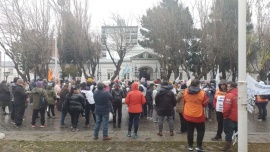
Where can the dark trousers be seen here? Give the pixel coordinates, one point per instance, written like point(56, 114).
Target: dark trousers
point(117, 109)
point(150, 109)
point(50, 109)
point(133, 117)
point(88, 108)
point(262, 110)
point(58, 105)
point(35, 114)
point(12, 109)
point(200, 127)
point(219, 116)
point(18, 114)
point(74, 118)
point(183, 123)
point(229, 127)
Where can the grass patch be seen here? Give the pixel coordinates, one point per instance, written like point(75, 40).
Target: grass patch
point(113, 146)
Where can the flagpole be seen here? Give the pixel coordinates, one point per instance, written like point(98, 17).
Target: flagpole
point(242, 89)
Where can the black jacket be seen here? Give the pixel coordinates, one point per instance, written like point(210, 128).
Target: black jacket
point(149, 96)
point(165, 102)
point(5, 94)
point(19, 95)
point(76, 102)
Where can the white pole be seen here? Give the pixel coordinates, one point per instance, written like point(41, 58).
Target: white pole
point(242, 88)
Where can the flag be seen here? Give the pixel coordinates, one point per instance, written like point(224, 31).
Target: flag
point(83, 78)
point(177, 80)
point(69, 78)
point(217, 78)
point(50, 75)
point(125, 71)
point(188, 82)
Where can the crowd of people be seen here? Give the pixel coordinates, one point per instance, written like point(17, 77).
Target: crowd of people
point(157, 101)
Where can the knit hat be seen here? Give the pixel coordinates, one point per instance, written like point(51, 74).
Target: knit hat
point(39, 84)
point(89, 80)
point(106, 83)
point(156, 81)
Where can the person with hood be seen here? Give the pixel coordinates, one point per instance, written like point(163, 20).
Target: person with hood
point(230, 114)
point(63, 100)
point(51, 101)
point(143, 89)
point(102, 109)
point(20, 97)
point(12, 109)
point(195, 100)
point(210, 92)
point(76, 104)
point(165, 102)
point(218, 105)
point(134, 100)
point(4, 96)
point(179, 108)
point(89, 97)
point(155, 91)
point(118, 95)
point(35, 96)
point(149, 101)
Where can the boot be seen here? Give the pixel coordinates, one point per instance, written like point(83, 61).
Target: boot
point(114, 125)
point(159, 133)
point(227, 146)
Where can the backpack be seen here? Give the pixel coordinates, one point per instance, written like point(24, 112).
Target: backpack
point(264, 96)
point(117, 96)
point(42, 101)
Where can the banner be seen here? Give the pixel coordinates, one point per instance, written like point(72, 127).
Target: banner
point(219, 104)
point(217, 78)
point(255, 88)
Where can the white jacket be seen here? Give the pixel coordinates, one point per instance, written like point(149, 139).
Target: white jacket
point(89, 96)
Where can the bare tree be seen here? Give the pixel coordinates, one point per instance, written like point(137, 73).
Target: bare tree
point(117, 41)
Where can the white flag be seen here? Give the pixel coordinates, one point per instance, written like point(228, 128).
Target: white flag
point(217, 78)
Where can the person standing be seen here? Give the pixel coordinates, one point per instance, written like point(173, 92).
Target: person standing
point(51, 101)
point(230, 114)
point(149, 101)
point(35, 95)
point(89, 96)
point(118, 95)
point(20, 97)
point(165, 102)
point(218, 105)
point(76, 104)
point(143, 89)
point(195, 100)
point(4, 97)
point(261, 103)
point(135, 101)
point(102, 109)
point(179, 108)
point(63, 100)
point(57, 89)
point(210, 92)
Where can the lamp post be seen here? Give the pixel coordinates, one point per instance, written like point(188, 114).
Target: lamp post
point(6, 74)
point(161, 72)
point(268, 75)
point(136, 71)
point(99, 74)
point(156, 71)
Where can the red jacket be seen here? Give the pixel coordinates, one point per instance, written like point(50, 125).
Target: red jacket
point(135, 99)
point(230, 107)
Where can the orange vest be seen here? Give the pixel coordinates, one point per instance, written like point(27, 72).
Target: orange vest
point(193, 104)
point(219, 93)
point(259, 99)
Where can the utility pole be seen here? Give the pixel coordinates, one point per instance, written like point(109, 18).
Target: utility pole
point(242, 84)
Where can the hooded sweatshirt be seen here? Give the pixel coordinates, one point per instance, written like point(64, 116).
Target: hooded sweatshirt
point(51, 95)
point(35, 95)
point(195, 100)
point(135, 99)
point(165, 101)
point(230, 105)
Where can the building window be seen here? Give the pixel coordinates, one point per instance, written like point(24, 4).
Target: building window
point(126, 76)
point(104, 54)
point(109, 75)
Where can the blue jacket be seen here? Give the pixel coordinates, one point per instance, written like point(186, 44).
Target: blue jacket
point(102, 102)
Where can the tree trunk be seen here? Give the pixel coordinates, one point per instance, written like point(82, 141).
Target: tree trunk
point(223, 73)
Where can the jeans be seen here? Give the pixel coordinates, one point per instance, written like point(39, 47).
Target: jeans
point(183, 123)
point(262, 110)
point(229, 127)
point(50, 109)
point(104, 119)
point(200, 127)
point(35, 114)
point(150, 110)
point(117, 107)
point(63, 114)
point(219, 116)
point(74, 118)
point(161, 120)
point(133, 117)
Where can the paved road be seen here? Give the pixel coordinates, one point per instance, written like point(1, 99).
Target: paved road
point(257, 130)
